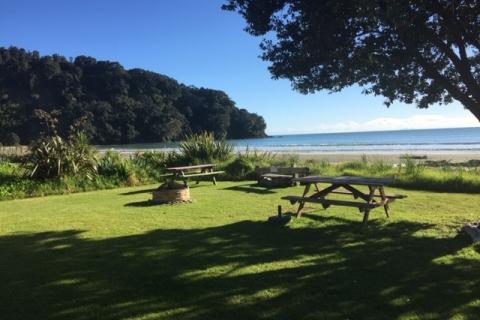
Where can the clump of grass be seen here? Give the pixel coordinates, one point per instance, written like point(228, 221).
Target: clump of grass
point(411, 168)
point(260, 158)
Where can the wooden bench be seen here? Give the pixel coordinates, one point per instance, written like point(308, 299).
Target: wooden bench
point(280, 176)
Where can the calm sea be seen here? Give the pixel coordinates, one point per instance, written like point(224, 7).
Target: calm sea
point(458, 140)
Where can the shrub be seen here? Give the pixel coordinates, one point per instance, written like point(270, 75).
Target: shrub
point(203, 148)
point(241, 168)
point(11, 139)
point(54, 157)
point(150, 160)
point(112, 165)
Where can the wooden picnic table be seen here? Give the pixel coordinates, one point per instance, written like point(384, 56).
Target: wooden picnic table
point(344, 185)
point(185, 172)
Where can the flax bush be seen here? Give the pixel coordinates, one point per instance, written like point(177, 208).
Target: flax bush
point(203, 148)
point(54, 157)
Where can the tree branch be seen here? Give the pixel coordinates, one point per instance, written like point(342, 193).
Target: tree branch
point(453, 25)
point(453, 90)
point(461, 64)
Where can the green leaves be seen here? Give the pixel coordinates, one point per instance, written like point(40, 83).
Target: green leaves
point(54, 157)
point(421, 52)
point(203, 148)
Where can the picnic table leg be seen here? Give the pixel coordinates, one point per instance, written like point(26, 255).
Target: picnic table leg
point(365, 217)
point(302, 203)
point(384, 200)
point(370, 200)
point(198, 179)
point(213, 177)
point(185, 181)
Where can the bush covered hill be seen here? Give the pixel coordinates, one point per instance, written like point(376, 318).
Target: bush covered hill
point(116, 105)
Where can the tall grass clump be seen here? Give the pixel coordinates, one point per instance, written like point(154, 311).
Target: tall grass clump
point(321, 167)
point(411, 168)
point(356, 165)
point(204, 148)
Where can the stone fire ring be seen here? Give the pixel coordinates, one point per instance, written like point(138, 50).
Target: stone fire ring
point(168, 194)
point(473, 230)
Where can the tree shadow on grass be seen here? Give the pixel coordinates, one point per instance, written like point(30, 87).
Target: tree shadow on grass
point(130, 193)
point(251, 188)
point(144, 203)
point(244, 270)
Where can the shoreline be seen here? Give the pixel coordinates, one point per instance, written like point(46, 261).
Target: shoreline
point(395, 156)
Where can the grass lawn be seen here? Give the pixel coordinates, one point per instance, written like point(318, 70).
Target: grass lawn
point(111, 255)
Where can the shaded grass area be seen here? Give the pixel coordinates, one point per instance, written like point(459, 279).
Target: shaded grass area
point(94, 256)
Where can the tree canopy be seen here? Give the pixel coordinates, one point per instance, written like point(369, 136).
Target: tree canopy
point(421, 52)
point(114, 104)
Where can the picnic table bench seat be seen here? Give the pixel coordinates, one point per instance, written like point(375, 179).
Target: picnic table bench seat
point(392, 197)
point(280, 176)
point(328, 202)
point(201, 174)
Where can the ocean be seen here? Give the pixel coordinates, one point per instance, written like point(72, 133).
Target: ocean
point(456, 140)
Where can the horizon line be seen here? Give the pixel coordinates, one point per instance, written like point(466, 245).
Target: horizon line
point(367, 131)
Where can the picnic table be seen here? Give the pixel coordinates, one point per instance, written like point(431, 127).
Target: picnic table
point(196, 171)
point(344, 185)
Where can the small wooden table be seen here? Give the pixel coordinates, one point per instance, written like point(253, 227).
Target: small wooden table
point(186, 172)
point(369, 200)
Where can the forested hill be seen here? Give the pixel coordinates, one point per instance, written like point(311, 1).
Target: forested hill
point(117, 105)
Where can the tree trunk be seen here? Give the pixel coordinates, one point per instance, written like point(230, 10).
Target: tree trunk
point(474, 109)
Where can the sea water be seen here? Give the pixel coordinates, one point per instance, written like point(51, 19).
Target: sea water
point(456, 140)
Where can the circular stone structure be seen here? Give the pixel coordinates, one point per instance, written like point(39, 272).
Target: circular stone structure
point(171, 194)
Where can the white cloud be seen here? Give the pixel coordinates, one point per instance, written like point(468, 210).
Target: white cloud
point(381, 124)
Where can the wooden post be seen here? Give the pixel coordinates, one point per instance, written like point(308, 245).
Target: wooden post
point(384, 200)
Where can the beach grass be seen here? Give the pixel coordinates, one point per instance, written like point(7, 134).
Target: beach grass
point(113, 255)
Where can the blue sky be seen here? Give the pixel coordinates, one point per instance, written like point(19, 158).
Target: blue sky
point(197, 43)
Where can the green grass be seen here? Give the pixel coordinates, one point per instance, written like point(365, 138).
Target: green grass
point(111, 255)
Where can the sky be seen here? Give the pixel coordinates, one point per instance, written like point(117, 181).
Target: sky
point(198, 44)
